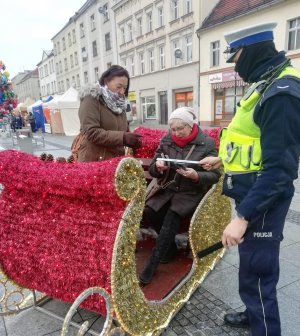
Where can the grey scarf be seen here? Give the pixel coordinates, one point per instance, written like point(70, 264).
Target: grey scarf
point(113, 101)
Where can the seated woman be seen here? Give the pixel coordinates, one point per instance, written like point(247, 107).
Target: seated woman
point(184, 187)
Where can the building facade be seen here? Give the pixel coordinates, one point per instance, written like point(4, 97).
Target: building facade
point(26, 85)
point(156, 42)
point(220, 87)
point(47, 75)
point(84, 47)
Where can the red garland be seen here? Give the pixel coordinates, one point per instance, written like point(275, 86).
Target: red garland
point(58, 225)
point(151, 139)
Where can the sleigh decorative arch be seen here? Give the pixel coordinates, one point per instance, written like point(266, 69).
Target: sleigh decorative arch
point(69, 231)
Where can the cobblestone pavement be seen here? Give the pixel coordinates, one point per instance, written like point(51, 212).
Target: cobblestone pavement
point(203, 316)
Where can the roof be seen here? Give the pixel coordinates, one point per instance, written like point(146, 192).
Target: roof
point(227, 10)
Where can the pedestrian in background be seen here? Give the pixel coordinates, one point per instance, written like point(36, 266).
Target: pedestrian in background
point(104, 128)
point(260, 152)
point(32, 122)
point(183, 188)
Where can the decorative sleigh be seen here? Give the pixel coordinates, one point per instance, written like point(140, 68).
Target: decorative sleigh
point(70, 231)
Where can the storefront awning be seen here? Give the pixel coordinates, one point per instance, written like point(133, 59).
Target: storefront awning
point(228, 84)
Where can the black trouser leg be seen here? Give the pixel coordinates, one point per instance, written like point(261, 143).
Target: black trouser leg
point(164, 241)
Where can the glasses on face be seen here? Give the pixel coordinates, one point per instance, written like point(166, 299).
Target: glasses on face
point(178, 129)
point(230, 52)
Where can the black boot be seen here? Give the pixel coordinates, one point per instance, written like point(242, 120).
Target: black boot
point(163, 242)
point(148, 271)
point(170, 254)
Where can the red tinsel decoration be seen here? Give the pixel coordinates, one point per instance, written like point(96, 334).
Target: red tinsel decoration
point(151, 139)
point(58, 225)
point(59, 221)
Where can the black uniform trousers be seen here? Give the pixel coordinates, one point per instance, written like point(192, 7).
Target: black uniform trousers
point(259, 270)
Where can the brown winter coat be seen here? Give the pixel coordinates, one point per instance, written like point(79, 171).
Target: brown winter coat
point(102, 128)
point(184, 194)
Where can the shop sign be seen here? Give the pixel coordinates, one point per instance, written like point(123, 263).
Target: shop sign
point(215, 78)
point(132, 96)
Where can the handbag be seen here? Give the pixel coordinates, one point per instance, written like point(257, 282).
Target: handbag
point(76, 145)
point(158, 184)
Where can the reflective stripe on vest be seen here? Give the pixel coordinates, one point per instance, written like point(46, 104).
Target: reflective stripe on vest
point(240, 148)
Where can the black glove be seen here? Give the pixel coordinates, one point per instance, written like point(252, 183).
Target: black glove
point(132, 140)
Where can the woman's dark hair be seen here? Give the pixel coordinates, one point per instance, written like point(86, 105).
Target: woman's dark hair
point(115, 71)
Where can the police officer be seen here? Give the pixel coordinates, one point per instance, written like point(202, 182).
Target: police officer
point(260, 152)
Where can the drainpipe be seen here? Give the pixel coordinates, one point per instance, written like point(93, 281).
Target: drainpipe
point(198, 75)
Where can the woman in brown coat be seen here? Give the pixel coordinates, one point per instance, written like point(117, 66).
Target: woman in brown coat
point(184, 187)
point(102, 115)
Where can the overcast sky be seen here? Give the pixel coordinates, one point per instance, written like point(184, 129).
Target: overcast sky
point(27, 27)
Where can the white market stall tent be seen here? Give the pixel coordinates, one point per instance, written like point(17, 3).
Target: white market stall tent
point(69, 105)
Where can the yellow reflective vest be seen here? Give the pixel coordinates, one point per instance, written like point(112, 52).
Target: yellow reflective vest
point(240, 148)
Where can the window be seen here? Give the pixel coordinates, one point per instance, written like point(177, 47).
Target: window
point(96, 73)
point(107, 42)
point(151, 60)
point(72, 61)
point(66, 64)
point(149, 22)
point(41, 72)
point(189, 48)
point(92, 22)
point(184, 99)
point(73, 82)
point(108, 65)
point(84, 54)
point(122, 30)
point(174, 9)
point(231, 98)
point(123, 62)
point(81, 28)
point(69, 39)
point(62, 86)
point(132, 65)
point(139, 24)
point(58, 47)
point(67, 83)
point(85, 77)
point(160, 11)
point(294, 34)
point(58, 87)
point(162, 57)
point(60, 67)
point(142, 63)
point(64, 43)
point(74, 36)
point(76, 58)
point(148, 107)
point(188, 6)
point(95, 51)
point(129, 28)
point(56, 68)
point(215, 53)
point(77, 81)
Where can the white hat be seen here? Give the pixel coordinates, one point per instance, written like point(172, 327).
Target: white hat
point(184, 113)
point(247, 36)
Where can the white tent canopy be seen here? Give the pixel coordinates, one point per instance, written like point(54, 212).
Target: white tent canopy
point(69, 105)
point(53, 103)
